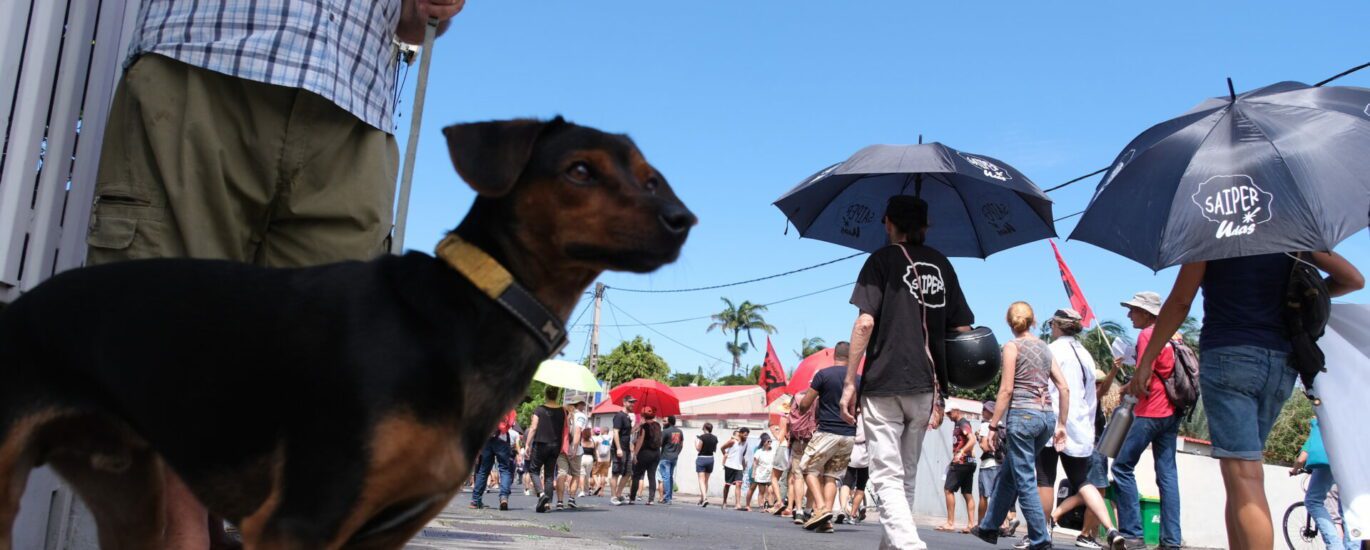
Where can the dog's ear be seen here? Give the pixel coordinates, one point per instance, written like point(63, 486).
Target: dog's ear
point(491, 155)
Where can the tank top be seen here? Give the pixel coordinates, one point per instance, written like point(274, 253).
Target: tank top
point(1031, 375)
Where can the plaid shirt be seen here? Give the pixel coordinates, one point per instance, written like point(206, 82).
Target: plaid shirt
point(342, 50)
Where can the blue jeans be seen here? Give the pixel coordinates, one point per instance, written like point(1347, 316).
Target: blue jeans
point(1243, 389)
point(1028, 430)
point(1159, 434)
point(666, 471)
point(1320, 481)
point(496, 450)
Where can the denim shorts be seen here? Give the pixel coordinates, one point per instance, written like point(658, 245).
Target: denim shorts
point(1098, 471)
point(987, 478)
point(1238, 384)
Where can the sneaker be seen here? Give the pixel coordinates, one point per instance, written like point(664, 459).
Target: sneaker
point(571, 503)
point(1115, 540)
point(476, 506)
point(1086, 542)
point(527, 493)
point(580, 494)
point(647, 503)
point(616, 501)
point(1011, 530)
point(504, 506)
point(561, 505)
point(544, 502)
point(825, 527)
point(814, 522)
point(987, 536)
point(1134, 544)
point(1022, 543)
point(840, 519)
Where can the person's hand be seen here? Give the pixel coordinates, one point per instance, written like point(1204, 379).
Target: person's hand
point(620, 453)
point(1295, 471)
point(989, 441)
point(1117, 362)
point(938, 411)
point(1060, 438)
point(441, 10)
point(1138, 386)
point(847, 405)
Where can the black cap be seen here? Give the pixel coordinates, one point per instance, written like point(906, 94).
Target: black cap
point(907, 212)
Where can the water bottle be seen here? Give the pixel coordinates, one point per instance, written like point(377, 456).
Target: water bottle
point(1118, 425)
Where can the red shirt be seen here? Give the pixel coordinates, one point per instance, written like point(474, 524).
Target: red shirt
point(1155, 404)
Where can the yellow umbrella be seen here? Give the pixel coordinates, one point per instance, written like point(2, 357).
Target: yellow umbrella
point(565, 374)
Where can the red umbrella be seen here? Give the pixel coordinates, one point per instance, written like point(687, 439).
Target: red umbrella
point(803, 374)
point(648, 392)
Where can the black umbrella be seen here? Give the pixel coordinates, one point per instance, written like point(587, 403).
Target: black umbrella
point(978, 205)
point(1283, 168)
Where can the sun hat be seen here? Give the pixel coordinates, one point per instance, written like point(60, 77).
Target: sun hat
point(1147, 301)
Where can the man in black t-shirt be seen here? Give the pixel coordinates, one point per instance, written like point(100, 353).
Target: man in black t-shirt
point(909, 299)
point(829, 451)
point(622, 455)
point(672, 441)
point(548, 427)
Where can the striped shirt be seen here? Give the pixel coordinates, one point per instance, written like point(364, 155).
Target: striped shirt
point(342, 50)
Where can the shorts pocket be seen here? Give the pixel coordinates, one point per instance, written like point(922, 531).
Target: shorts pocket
point(1233, 369)
point(112, 233)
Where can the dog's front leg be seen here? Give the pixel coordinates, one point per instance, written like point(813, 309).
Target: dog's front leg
point(317, 487)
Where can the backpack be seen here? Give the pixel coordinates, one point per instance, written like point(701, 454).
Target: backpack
point(1307, 307)
point(802, 425)
point(1182, 387)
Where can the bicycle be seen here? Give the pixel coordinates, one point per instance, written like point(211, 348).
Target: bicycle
point(1300, 532)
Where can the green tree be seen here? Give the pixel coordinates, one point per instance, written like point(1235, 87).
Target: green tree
point(753, 374)
point(632, 359)
point(1290, 430)
point(738, 319)
point(810, 346)
point(530, 401)
point(686, 378)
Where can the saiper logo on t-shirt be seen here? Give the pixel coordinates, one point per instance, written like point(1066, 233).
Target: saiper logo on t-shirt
point(1235, 203)
point(928, 281)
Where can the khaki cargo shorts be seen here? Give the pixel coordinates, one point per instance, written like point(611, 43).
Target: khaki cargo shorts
point(200, 164)
point(828, 454)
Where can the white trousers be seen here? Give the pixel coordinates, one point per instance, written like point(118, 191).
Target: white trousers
point(895, 426)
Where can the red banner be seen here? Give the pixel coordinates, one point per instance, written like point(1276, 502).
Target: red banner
point(772, 374)
point(1077, 297)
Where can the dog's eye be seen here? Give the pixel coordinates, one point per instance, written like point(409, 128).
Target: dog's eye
point(579, 172)
point(652, 183)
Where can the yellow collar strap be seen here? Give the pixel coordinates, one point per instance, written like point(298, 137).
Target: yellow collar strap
point(493, 280)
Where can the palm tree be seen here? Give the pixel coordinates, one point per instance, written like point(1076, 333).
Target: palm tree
point(810, 346)
point(737, 319)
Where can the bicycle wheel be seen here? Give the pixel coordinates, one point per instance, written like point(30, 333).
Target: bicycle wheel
point(1300, 533)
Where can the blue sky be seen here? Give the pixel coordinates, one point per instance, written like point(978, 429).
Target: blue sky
point(735, 102)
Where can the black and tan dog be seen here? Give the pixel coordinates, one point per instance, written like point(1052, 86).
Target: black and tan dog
point(347, 400)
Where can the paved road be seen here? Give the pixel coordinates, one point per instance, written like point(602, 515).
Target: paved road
point(599, 525)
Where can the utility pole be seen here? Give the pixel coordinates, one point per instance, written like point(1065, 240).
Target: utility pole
point(594, 331)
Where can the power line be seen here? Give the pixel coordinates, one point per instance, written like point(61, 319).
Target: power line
point(703, 317)
point(663, 335)
point(1341, 74)
point(1094, 173)
point(1068, 217)
point(748, 281)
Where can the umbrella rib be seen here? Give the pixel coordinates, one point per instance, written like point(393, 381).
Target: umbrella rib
point(978, 241)
point(1171, 207)
point(1288, 170)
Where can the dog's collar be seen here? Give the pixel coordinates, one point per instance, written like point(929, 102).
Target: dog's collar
point(495, 281)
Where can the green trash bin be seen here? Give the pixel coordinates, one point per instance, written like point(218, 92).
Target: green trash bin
point(1151, 520)
point(1151, 517)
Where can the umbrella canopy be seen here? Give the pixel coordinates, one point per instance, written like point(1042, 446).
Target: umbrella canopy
point(648, 392)
point(978, 205)
point(565, 374)
point(1283, 168)
point(803, 374)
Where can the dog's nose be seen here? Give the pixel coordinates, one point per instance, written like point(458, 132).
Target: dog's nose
point(677, 219)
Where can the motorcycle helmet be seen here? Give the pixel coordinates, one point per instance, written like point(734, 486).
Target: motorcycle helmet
point(972, 358)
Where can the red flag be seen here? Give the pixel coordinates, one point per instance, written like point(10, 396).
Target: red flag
point(1077, 297)
point(772, 374)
